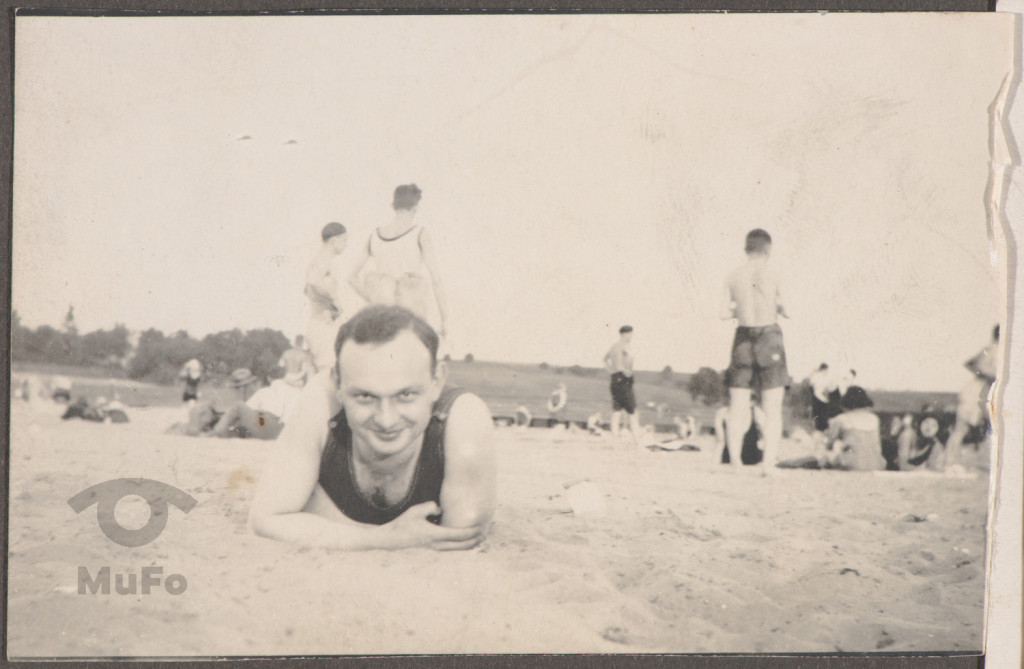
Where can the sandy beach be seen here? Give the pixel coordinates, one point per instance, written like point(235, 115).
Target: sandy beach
point(686, 557)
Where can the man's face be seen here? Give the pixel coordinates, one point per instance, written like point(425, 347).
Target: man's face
point(388, 391)
point(338, 243)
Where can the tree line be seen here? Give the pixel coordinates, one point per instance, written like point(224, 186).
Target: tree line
point(155, 357)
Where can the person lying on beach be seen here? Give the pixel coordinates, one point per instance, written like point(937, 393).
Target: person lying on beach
point(101, 411)
point(380, 453)
point(258, 414)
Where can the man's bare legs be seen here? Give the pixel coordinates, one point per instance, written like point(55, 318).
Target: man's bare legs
point(634, 428)
point(632, 423)
point(739, 423)
point(954, 446)
point(771, 403)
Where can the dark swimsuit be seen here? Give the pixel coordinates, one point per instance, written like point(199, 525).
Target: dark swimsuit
point(338, 479)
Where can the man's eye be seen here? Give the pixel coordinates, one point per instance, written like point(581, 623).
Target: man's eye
point(408, 395)
point(363, 398)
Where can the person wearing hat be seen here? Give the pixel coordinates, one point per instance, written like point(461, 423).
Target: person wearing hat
point(322, 291)
point(261, 413)
point(854, 436)
point(381, 453)
point(618, 361)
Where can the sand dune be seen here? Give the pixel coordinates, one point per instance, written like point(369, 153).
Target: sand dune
point(685, 558)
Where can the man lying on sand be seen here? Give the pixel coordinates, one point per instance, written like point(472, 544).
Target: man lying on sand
point(387, 457)
point(258, 414)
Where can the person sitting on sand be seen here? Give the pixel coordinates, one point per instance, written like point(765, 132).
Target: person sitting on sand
point(854, 437)
point(918, 445)
point(297, 364)
point(380, 453)
point(972, 406)
point(753, 296)
point(822, 386)
point(260, 414)
point(405, 269)
point(322, 290)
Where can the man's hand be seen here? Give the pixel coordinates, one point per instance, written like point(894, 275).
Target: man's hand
point(412, 529)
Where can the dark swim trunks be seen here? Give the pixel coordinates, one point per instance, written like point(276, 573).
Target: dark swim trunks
point(191, 390)
point(758, 358)
point(622, 393)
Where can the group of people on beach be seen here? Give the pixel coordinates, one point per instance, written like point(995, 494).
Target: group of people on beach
point(847, 431)
point(378, 452)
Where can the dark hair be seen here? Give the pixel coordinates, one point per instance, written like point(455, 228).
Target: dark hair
point(995, 333)
point(855, 398)
point(625, 328)
point(406, 197)
point(332, 229)
point(758, 241)
point(381, 323)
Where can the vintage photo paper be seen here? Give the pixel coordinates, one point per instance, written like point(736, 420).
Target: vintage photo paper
point(178, 182)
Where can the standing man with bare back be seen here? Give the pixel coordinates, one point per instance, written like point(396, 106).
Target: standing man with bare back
point(619, 363)
point(404, 269)
point(754, 298)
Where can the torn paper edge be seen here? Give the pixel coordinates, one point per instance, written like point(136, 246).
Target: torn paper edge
point(1001, 639)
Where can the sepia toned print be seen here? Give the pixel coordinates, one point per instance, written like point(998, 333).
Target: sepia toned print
point(784, 237)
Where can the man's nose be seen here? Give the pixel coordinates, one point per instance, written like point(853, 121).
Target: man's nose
point(387, 414)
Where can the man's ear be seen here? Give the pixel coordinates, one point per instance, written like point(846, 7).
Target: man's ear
point(440, 375)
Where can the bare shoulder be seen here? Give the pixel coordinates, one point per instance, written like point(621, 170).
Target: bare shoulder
point(307, 426)
point(469, 425)
point(469, 408)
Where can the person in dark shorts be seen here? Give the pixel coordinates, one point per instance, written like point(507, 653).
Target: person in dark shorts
point(192, 374)
point(753, 296)
point(379, 452)
point(619, 363)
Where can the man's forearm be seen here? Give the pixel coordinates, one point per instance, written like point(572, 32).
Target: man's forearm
point(309, 529)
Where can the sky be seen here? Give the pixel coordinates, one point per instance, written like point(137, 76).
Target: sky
point(579, 173)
